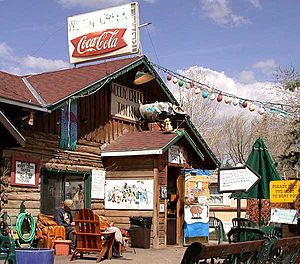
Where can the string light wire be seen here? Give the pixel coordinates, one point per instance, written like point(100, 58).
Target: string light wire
point(273, 107)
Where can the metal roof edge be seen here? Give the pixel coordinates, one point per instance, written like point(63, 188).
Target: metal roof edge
point(34, 92)
point(190, 140)
point(24, 105)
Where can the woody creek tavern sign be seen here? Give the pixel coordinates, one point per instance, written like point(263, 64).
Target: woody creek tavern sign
point(125, 102)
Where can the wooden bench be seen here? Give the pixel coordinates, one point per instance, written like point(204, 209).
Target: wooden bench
point(268, 250)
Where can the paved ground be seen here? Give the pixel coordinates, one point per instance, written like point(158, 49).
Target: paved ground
point(172, 254)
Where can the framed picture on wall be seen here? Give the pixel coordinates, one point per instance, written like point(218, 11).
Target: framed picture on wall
point(25, 172)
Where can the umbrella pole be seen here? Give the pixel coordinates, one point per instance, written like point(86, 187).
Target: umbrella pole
point(259, 212)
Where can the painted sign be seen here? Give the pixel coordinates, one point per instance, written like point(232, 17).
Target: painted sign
point(104, 33)
point(237, 179)
point(284, 216)
point(196, 208)
point(98, 183)
point(129, 194)
point(284, 191)
point(125, 102)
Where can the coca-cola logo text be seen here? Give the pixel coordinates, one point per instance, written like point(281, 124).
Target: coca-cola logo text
point(98, 43)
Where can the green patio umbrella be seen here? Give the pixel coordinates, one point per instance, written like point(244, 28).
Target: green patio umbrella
point(261, 162)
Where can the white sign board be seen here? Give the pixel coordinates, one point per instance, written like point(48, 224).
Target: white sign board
point(129, 194)
point(125, 102)
point(25, 172)
point(104, 33)
point(237, 179)
point(284, 216)
point(98, 184)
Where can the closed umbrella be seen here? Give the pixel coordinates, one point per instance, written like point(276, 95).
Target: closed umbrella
point(261, 162)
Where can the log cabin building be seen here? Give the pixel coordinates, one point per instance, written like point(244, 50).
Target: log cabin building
point(61, 132)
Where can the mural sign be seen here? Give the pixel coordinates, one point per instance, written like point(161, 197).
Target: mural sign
point(129, 194)
point(104, 33)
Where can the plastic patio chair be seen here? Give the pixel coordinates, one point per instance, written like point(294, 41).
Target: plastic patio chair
point(217, 225)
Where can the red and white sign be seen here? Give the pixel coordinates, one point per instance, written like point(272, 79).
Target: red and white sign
point(104, 33)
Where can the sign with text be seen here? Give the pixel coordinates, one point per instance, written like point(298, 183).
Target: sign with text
point(25, 172)
point(98, 184)
point(237, 179)
point(125, 102)
point(104, 33)
point(284, 216)
point(284, 191)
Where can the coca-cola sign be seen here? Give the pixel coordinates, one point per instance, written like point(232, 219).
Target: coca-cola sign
point(98, 43)
point(104, 33)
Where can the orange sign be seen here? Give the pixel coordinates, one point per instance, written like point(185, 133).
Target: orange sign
point(284, 191)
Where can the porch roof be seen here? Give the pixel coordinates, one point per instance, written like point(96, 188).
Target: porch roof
point(147, 143)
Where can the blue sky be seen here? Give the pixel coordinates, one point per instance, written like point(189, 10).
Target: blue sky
point(243, 39)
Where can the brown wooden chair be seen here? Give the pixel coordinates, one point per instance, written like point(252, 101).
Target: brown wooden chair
point(89, 236)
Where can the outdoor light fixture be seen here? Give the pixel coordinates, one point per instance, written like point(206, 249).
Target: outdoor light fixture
point(142, 77)
point(30, 119)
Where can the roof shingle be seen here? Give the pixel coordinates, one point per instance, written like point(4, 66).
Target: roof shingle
point(145, 140)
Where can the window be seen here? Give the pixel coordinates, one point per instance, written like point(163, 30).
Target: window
point(57, 186)
point(217, 198)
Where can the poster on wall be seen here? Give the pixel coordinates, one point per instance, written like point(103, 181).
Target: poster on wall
point(129, 194)
point(98, 183)
point(196, 207)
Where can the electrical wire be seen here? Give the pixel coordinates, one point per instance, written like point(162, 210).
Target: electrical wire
point(281, 108)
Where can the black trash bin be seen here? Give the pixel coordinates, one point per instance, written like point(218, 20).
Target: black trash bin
point(140, 229)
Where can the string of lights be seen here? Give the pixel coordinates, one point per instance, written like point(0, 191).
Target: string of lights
point(208, 92)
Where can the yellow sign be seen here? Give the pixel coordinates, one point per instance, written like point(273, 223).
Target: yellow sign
point(284, 191)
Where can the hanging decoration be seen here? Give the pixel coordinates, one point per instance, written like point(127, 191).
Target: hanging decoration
point(283, 110)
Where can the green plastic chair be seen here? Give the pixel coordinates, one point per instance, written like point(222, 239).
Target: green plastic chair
point(7, 249)
point(246, 234)
point(217, 225)
point(244, 222)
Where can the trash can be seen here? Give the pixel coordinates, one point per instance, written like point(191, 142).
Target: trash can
point(140, 229)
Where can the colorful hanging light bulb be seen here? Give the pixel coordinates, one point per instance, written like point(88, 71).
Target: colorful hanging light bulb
point(220, 98)
point(197, 90)
point(192, 84)
point(235, 102)
point(244, 104)
point(261, 110)
point(169, 77)
point(175, 80)
point(251, 107)
point(181, 83)
point(212, 97)
point(204, 94)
